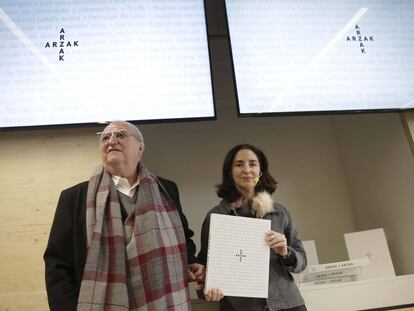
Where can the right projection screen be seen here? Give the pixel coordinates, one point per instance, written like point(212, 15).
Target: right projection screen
point(322, 56)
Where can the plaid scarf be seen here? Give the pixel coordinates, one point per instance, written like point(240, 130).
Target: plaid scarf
point(136, 265)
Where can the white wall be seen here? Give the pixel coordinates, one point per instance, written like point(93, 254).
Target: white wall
point(379, 169)
point(303, 158)
point(38, 164)
point(336, 175)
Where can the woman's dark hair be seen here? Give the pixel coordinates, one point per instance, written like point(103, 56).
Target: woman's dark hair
point(228, 191)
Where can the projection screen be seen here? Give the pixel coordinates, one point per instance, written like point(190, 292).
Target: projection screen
point(322, 56)
point(87, 61)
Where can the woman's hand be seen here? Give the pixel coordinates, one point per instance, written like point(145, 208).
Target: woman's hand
point(213, 294)
point(277, 242)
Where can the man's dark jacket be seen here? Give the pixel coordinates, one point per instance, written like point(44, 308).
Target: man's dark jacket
point(66, 251)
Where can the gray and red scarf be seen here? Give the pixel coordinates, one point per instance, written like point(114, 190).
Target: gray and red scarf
point(136, 265)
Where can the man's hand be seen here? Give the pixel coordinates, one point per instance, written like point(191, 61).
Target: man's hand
point(196, 272)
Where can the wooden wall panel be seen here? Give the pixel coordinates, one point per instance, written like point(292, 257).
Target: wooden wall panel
point(22, 301)
point(21, 258)
point(35, 167)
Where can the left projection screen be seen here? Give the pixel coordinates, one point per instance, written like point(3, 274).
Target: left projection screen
point(83, 61)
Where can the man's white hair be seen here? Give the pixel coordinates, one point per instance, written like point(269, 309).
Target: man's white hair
point(132, 128)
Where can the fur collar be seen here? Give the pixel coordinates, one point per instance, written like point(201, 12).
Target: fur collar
point(262, 204)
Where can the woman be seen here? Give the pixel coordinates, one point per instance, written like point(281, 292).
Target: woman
point(245, 191)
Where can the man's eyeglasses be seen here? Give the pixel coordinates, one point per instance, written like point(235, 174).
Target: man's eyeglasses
point(117, 135)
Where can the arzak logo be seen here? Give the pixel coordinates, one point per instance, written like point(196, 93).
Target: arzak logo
point(360, 39)
point(61, 44)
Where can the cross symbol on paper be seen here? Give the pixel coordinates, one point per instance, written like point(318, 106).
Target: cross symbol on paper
point(369, 255)
point(241, 255)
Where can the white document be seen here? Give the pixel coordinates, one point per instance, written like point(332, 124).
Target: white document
point(238, 256)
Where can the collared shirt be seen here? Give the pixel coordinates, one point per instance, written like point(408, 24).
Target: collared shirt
point(122, 185)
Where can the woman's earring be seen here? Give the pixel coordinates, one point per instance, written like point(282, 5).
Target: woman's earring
point(257, 178)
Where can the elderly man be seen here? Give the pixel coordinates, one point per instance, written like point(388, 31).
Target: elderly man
point(120, 241)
